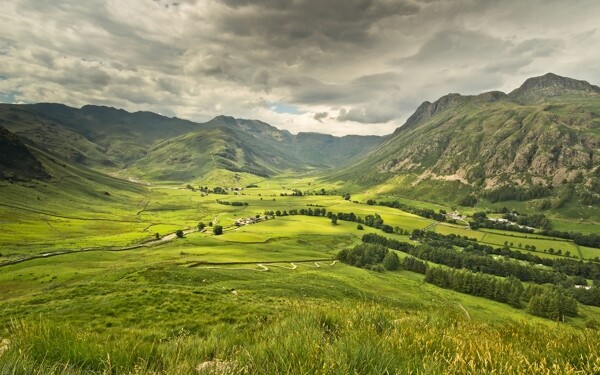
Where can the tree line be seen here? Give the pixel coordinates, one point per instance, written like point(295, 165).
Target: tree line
point(374, 221)
point(423, 212)
point(571, 267)
point(228, 203)
point(471, 261)
point(547, 301)
point(488, 265)
point(505, 290)
point(516, 193)
point(370, 256)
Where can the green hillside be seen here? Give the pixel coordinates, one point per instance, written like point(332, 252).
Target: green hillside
point(148, 145)
point(546, 133)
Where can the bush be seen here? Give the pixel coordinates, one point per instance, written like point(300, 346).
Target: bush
point(391, 261)
point(179, 233)
point(359, 227)
point(217, 230)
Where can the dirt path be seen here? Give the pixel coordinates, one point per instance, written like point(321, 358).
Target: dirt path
point(260, 268)
point(429, 226)
point(465, 311)
point(68, 217)
point(292, 266)
point(261, 265)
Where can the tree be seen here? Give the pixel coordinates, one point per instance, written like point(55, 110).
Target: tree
point(201, 226)
point(210, 223)
point(179, 233)
point(334, 220)
point(157, 236)
point(218, 230)
point(359, 227)
point(391, 261)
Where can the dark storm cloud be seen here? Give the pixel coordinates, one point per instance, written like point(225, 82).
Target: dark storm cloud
point(347, 66)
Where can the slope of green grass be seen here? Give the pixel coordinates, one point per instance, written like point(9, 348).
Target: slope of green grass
point(262, 298)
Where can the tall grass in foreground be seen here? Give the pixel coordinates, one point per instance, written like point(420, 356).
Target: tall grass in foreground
point(367, 339)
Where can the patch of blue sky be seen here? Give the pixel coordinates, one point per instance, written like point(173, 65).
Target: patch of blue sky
point(285, 108)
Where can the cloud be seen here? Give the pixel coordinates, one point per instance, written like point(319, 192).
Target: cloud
point(340, 66)
point(320, 116)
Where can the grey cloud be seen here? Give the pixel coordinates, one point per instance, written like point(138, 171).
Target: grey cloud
point(363, 116)
point(319, 116)
point(457, 46)
point(376, 59)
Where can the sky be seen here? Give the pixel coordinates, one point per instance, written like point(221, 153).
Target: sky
point(329, 66)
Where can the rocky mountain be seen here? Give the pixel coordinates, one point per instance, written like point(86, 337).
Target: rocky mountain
point(545, 132)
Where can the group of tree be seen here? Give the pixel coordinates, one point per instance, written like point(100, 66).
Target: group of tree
point(439, 249)
point(505, 290)
point(414, 265)
point(228, 203)
point(373, 257)
point(469, 200)
point(294, 193)
point(364, 256)
point(546, 299)
point(588, 295)
point(549, 301)
point(215, 190)
point(475, 260)
point(423, 212)
point(571, 267)
point(517, 193)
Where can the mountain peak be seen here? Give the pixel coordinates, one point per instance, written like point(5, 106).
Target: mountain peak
point(428, 109)
point(549, 86)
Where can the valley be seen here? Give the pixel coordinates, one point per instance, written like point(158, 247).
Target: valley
point(145, 244)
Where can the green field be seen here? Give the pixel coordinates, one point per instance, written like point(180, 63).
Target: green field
point(262, 298)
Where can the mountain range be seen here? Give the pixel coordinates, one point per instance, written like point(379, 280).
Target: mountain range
point(544, 133)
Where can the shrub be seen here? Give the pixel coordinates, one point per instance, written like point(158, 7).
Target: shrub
point(391, 261)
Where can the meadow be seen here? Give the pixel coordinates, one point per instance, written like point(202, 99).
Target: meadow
point(259, 299)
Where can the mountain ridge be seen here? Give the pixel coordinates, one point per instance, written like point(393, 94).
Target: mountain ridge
point(548, 86)
point(111, 139)
point(546, 133)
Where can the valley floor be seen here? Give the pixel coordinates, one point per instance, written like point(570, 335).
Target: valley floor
point(87, 288)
